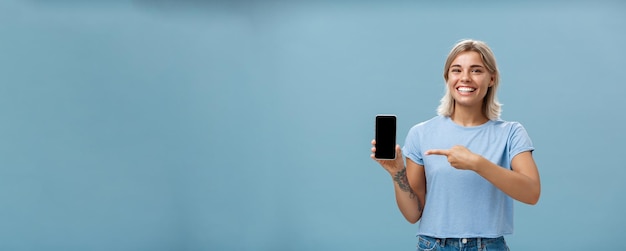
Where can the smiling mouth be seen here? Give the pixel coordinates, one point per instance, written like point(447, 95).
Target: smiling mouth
point(465, 89)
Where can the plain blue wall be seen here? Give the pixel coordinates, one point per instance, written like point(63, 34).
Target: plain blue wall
point(245, 125)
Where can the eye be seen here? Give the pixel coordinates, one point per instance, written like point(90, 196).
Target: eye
point(477, 70)
point(455, 70)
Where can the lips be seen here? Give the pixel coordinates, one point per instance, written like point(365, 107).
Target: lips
point(465, 89)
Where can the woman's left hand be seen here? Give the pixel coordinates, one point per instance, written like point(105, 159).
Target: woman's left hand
point(459, 157)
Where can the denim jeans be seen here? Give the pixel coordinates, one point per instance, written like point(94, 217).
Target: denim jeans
point(426, 243)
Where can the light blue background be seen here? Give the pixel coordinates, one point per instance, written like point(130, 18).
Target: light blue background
point(245, 125)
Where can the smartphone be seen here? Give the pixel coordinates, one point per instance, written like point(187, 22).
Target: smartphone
point(385, 136)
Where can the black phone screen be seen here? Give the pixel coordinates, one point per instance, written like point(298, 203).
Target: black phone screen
point(385, 137)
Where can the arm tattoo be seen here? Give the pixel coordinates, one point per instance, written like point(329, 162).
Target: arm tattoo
point(403, 183)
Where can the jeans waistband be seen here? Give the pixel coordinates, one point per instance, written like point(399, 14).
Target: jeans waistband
point(463, 242)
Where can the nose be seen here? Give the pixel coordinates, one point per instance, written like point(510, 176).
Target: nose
point(465, 77)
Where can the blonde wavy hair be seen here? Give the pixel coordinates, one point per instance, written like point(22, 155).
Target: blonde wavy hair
point(491, 107)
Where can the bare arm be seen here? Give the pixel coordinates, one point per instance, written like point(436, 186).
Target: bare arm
point(521, 183)
point(409, 184)
point(411, 205)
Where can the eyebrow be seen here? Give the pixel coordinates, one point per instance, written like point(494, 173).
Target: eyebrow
point(471, 66)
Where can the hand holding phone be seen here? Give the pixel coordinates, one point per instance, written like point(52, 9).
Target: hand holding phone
point(385, 136)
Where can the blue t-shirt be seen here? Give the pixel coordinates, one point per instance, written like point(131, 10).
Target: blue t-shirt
point(461, 203)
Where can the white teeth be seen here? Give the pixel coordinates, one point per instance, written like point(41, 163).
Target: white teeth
point(466, 89)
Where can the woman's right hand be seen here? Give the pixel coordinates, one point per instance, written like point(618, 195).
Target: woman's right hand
point(392, 166)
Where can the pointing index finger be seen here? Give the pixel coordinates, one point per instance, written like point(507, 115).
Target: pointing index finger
point(437, 152)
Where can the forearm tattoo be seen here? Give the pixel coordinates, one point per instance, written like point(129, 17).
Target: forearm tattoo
point(403, 183)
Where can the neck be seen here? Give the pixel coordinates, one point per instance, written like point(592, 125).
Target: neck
point(468, 116)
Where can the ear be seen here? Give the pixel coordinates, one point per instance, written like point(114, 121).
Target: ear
point(491, 83)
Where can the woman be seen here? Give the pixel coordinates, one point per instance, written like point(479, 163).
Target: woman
point(464, 166)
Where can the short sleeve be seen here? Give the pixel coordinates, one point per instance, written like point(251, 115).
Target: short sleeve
point(519, 141)
point(412, 148)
